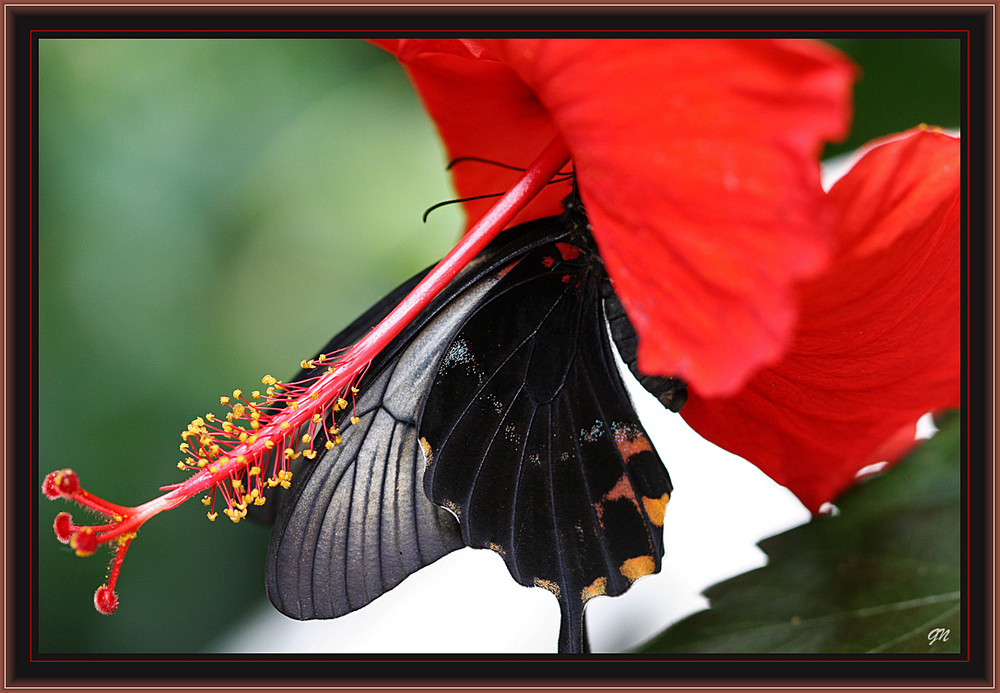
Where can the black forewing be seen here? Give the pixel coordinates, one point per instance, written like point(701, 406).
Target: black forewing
point(356, 521)
point(534, 443)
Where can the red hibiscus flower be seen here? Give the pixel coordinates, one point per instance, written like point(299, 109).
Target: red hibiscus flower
point(811, 328)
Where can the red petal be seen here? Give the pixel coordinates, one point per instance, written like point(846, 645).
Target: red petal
point(696, 160)
point(878, 342)
point(482, 109)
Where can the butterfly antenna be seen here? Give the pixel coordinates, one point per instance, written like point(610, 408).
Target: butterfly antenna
point(451, 202)
point(493, 162)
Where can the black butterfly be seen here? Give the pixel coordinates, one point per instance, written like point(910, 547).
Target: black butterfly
point(500, 405)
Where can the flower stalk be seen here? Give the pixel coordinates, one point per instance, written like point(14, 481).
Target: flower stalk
point(251, 449)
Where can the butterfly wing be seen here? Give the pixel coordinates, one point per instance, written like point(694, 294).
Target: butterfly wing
point(356, 520)
point(532, 441)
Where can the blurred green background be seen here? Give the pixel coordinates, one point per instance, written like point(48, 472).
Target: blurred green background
point(214, 210)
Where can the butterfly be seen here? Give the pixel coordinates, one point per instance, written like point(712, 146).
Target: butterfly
point(497, 419)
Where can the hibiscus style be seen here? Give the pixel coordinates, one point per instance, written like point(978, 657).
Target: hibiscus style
point(810, 328)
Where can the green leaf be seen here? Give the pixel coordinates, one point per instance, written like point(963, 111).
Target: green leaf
point(878, 577)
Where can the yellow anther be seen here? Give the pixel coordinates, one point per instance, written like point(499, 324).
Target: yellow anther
point(255, 425)
point(293, 405)
point(340, 404)
point(309, 454)
point(269, 444)
point(227, 427)
point(268, 380)
point(181, 465)
point(206, 501)
point(259, 501)
point(334, 430)
point(210, 416)
point(223, 400)
point(355, 420)
point(237, 393)
point(202, 463)
point(237, 484)
point(336, 440)
point(331, 370)
point(314, 396)
point(290, 454)
point(328, 445)
point(316, 418)
point(321, 358)
point(251, 440)
point(253, 471)
point(306, 437)
point(285, 485)
point(223, 460)
point(355, 390)
point(238, 410)
point(243, 437)
point(303, 364)
point(255, 394)
point(284, 426)
point(270, 392)
point(212, 516)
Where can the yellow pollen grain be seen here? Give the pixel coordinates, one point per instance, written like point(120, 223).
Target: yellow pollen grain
point(635, 568)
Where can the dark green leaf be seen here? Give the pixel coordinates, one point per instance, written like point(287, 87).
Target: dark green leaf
point(878, 577)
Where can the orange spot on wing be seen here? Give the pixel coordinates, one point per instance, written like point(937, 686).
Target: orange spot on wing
point(635, 568)
point(655, 508)
point(549, 585)
point(595, 589)
point(631, 443)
